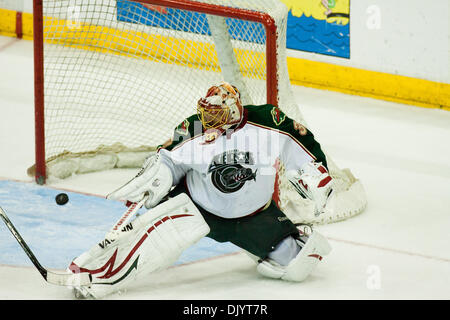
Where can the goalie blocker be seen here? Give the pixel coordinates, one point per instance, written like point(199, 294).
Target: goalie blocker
point(313, 182)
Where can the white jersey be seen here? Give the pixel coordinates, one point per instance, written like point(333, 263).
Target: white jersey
point(233, 175)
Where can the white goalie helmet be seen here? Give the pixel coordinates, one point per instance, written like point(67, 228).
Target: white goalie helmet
point(221, 108)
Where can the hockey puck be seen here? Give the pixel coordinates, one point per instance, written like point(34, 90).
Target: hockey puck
point(62, 199)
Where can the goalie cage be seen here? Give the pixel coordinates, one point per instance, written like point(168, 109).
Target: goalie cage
point(104, 89)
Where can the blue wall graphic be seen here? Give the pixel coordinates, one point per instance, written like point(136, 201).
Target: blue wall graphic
point(318, 36)
point(320, 32)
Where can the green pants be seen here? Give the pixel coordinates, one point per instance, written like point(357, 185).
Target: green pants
point(258, 233)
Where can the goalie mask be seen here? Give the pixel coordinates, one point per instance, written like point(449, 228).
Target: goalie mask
point(221, 107)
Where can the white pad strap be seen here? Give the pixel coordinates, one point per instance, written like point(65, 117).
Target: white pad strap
point(154, 179)
point(153, 242)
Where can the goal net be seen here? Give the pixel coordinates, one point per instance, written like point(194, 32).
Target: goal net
point(113, 78)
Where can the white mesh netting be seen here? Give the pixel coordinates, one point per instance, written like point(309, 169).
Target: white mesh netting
point(120, 75)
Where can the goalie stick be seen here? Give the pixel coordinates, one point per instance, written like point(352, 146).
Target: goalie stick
point(133, 207)
point(120, 227)
point(62, 279)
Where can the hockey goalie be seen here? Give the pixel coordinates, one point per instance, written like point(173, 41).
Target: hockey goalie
point(216, 178)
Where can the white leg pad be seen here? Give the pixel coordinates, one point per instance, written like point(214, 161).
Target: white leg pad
point(302, 265)
point(156, 240)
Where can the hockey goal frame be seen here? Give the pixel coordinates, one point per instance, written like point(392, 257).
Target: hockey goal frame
point(228, 12)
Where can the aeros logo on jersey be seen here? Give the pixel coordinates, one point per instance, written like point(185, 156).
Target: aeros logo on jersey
point(227, 173)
